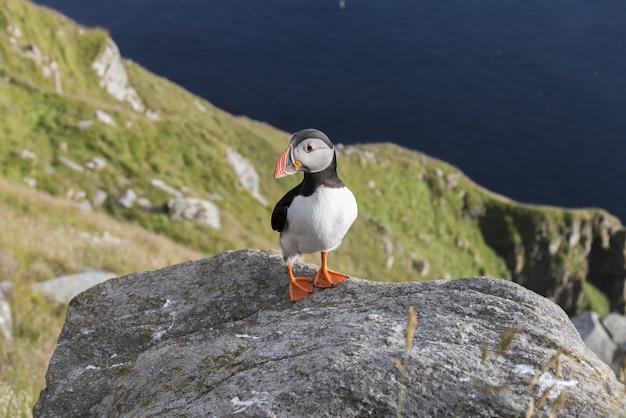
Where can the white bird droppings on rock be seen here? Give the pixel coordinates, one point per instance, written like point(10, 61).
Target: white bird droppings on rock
point(246, 336)
point(545, 381)
point(258, 398)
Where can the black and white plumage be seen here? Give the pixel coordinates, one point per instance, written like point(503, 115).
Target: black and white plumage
point(316, 214)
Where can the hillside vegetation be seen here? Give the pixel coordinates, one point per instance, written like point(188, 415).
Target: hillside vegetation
point(66, 137)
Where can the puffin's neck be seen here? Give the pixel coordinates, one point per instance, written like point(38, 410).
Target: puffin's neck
point(327, 177)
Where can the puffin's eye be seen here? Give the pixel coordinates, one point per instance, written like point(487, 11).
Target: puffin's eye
point(309, 148)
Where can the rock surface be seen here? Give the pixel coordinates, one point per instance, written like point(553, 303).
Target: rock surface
point(604, 336)
point(6, 319)
point(196, 210)
point(595, 336)
point(63, 288)
point(248, 177)
point(219, 337)
point(127, 200)
point(615, 324)
point(113, 77)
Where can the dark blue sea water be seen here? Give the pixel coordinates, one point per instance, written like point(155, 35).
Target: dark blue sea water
point(527, 97)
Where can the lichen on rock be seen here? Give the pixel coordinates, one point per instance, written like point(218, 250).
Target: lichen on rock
point(219, 337)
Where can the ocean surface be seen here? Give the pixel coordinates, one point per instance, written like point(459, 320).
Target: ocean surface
point(528, 98)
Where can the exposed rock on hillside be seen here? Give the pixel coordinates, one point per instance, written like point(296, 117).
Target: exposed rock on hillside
point(104, 117)
point(160, 184)
point(64, 288)
point(219, 337)
point(193, 209)
point(127, 200)
point(6, 319)
point(248, 177)
point(604, 336)
point(113, 77)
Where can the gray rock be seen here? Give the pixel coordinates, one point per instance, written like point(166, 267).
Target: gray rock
point(113, 76)
point(160, 184)
point(615, 324)
point(27, 155)
point(152, 115)
point(63, 288)
point(6, 319)
point(99, 197)
point(71, 164)
point(84, 205)
point(595, 336)
point(619, 362)
point(196, 210)
point(198, 105)
point(46, 71)
point(420, 265)
point(14, 30)
point(32, 52)
point(85, 124)
point(104, 117)
point(144, 203)
point(248, 177)
point(127, 200)
point(96, 163)
point(219, 337)
point(31, 182)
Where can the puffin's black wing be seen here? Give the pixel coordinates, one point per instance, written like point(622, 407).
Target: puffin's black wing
point(279, 215)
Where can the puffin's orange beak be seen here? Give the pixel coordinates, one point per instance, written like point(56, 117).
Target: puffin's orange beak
point(285, 166)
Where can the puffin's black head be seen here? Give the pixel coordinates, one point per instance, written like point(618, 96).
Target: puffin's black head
point(309, 151)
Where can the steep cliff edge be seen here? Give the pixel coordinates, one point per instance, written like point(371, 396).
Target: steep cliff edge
point(556, 252)
point(219, 337)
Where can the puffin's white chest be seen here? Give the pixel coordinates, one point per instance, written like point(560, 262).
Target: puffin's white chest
point(320, 221)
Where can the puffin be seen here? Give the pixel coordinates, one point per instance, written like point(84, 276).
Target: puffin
point(315, 215)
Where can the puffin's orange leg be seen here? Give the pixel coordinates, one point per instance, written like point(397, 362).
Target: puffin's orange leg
point(327, 278)
point(299, 287)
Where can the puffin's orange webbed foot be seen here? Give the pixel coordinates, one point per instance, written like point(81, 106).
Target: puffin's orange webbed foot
point(328, 278)
point(299, 287)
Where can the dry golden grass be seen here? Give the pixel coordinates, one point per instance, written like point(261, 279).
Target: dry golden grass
point(43, 237)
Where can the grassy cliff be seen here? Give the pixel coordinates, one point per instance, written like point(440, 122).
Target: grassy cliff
point(420, 218)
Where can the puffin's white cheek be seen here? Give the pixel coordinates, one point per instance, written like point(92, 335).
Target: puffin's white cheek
point(318, 160)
